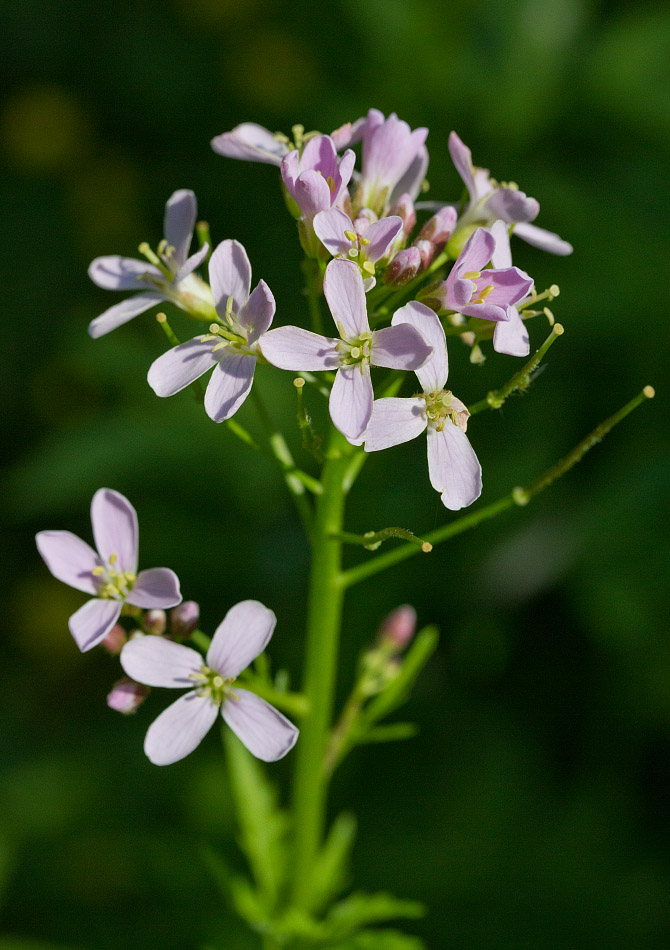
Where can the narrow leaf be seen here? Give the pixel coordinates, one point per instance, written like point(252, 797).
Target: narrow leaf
point(332, 862)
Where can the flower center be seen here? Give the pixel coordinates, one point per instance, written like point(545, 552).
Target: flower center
point(357, 252)
point(229, 333)
point(113, 584)
point(354, 350)
point(442, 405)
point(163, 260)
point(480, 293)
point(212, 684)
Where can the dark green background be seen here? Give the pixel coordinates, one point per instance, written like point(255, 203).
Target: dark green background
point(533, 809)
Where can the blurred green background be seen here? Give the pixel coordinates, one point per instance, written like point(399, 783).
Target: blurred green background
point(533, 809)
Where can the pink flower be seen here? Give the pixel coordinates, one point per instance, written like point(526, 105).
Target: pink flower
point(396, 347)
point(362, 241)
point(231, 346)
point(452, 464)
point(242, 635)
point(395, 161)
point(110, 574)
point(510, 336)
point(317, 179)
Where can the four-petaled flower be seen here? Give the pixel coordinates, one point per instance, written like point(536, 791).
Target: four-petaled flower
point(110, 574)
point(242, 635)
point(363, 241)
point(395, 161)
point(166, 276)
point(395, 347)
point(231, 347)
point(491, 201)
point(452, 464)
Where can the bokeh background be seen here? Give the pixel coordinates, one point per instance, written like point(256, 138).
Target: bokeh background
point(533, 809)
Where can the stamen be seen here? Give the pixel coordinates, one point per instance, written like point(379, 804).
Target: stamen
point(350, 235)
point(146, 251)
point(369, 267)
point(113, 558)
point(486, 292)
point(364, 241)
point(353, 252)
point(98, 571)
point(472, 274)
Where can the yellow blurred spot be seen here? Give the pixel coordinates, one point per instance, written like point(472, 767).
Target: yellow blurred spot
point(44, 130)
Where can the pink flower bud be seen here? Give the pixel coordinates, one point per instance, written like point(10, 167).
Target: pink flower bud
point(397, 629)
point(439, 228)
point(404, 266)
point(426, 250)
point(364, 219)
point(115, 639)
point(127, 696)
point(155, 622)
point(184, 618)
point(404, 208)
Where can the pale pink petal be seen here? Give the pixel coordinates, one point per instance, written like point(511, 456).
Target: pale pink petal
point(461, 156)
point(229, 384)
point(257, 313)
point(319, 155)
point(349, 133)
point(92, 622)
point(180, 213)
point(344, 172)
point(511, 337)
point(229, 275)
point(122, 312)
point(434, 372)
point(511, 205)
point(290, 169)
point(156, 587)
point(115, 528)
point(250, 143)
point(329, 227)
point(510, 285)
point(264, 731)
point(120, 273)
point(241, 636)
point(394, 421)
point(453, 466)
point(156, 661)
point(297, 349)
point(502, 255)
point(381, 234)
point(312, 193)
point(180, 366)
point(69, 559)
point(412, 179)
point(545, 240)
point(191, 263)
point(399, 347)
point(343, 289)
point(477, 252)
point(350, 403)
point(180, 728)
point(486, 311)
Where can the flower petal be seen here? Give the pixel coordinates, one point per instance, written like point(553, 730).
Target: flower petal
point(250, 143)
point(320, 155)
point(69, 559)
point(381, 235)
point(180, 728)
point(350, 402)
point(115, 528)
point(411, 181)
point(545, 240)
point(461, 156)
point(229, 275)
point(349, 133)
point(156, 661)
point(312, 193)
point(122, 312)
point(434, 372)
point(191, 263)
point(343, 289)
point(502, 255)
point(394, 421)
point(120, 273)
point(453, 466)
point(241, 636)
point(156, 587)
point(297, 349)
point(510, 285)
point(180, 366)
point(329, 227)
point(399, 347)
point(264, 731)
point(511, 205)
point(257, 313)
point(476, 254)
point(511, 337)
point(180, 213)
point(344, 172)
point(92, 622)
point(229, 384)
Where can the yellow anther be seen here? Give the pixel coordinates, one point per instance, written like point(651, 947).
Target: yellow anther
point(162, 247)
point(229, 306)
point(486, 292)
point(113, 558)
point(649, 392)
point(340, 329)
point(214, 329)
point(426, 547)
point(161, 318)
point(472, 274)
point(130, 578)
point(298, 382)
point(369, 267)
point(350, 235)
point(330, 181)
point(364, 241)
point(549, 315)
point(554, 290)
point(98, 571)
point(220, 346)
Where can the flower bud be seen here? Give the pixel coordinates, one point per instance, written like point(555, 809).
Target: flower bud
point(364, 219)
point(434, 295)
point(426, 250)
point(155, 622)
point(439, 228)
point(397, 629)
point(115, 640)
point(404, 208)
point(184, 618)
point(404, 266)
point(127, 696)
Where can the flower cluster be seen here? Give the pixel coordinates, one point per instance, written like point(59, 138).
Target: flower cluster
point(355, 225)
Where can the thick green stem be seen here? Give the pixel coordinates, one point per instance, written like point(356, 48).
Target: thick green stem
point(323, 630)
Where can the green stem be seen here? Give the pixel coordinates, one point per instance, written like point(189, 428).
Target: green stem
point(518, 496)
point(323, 629)
point(372, 539)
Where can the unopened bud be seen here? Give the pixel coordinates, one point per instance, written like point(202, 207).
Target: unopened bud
point(155, 622)
point(184, 618)
point(426, 250)
point(397, 629)
point(115, 640)
point(364, 219)
point(404, 208)
point(434, 295)
point(439, 228)
point(127, 696)
point(403, 268)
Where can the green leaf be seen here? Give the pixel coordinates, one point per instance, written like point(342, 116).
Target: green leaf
point(359, 910)
point(398, 690)
point(379, 940)
point(332, 862)
point(262, 823)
